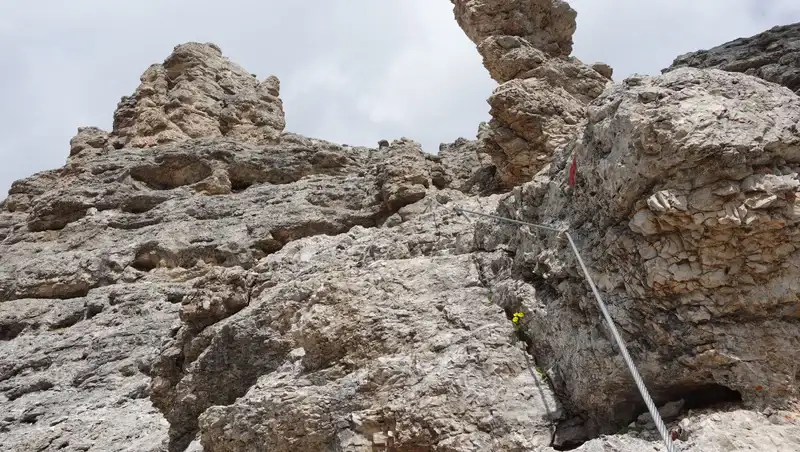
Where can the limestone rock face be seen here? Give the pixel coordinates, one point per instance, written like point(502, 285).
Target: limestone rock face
point(102, 257)
point(194, 93)
point(88, 138)
point(73, 372)
point(541, 102)
point(234, 287)
point(686, 212)
point(773, 55)
point(467, 169)
point(366, 340)
point(182, 276)
point(728, 429)
point(547, 25)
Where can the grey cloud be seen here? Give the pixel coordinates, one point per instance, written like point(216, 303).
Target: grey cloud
point(353, 72)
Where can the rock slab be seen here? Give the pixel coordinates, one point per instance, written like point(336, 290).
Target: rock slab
point(773, 55)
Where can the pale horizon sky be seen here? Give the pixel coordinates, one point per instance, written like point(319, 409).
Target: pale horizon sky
point(351, 72)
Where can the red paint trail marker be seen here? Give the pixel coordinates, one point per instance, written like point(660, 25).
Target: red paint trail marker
point(573, 169)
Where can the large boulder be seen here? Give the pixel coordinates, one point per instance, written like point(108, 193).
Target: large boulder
point(547, 25)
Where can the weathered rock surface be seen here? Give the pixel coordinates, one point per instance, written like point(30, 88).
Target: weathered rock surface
point(710, 430)
point(102, 256)
point(547, 25)
point(378, 338)
point(73, 373)
point(541, 102)
point(237, 288)
point(467, 169)
point(773, 55)
point(686, 210)
point(195, 93)
point(104, 259)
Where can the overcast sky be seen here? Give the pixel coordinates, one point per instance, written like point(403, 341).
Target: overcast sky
point(352, 71)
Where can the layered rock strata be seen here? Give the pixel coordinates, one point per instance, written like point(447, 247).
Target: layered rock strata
point(687, 212)
point(773, 55)
point(197, 279)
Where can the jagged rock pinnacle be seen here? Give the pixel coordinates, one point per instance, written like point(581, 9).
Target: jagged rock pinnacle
point(195, 93)
point(547, 25)
point(541, 102)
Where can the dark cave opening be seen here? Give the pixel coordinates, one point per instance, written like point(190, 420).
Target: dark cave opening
point(239, 186)
point(695, 397)
point(569, 445)
point(146, 260)
point(578, 427)
point(708, 395)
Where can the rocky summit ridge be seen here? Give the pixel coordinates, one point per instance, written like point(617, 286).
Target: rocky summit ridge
point(199, 279)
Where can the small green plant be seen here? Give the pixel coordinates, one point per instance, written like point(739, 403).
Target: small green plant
point(544, 375)
point(517, 318)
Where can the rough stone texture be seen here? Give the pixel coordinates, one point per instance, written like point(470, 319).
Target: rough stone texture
point(710, 430)
point(531, 119)
point(742, 430)
point(123, 194)
point(541, 102)
point(511, 57)
point(773, 55)
point(104, 259)
point(548, 25)
point(92, 138)
point(73, 371)
point(237, 288)
point(467, 169)
point(195, 93)
point(101, 257)
point(686, 210)
point(393, 346)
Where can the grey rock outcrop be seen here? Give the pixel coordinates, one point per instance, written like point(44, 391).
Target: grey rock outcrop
point(235, 287)
point(467, 169)
point(367, 340)
point(773, 55)
point(195, 93)
point(547, 25)
point(541, 102)
point(101, 258)
point(686, 210)
point(709, 430)
point(131, 276)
